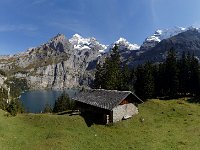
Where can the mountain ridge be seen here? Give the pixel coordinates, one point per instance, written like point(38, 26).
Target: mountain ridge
point(68, 63)
point(162, 34)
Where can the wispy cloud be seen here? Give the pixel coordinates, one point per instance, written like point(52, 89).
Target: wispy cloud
point(37, 2)
point(153, 11)
point(13, 27)
point(74, 26)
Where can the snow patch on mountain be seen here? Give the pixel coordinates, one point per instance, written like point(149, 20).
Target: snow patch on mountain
point(123, 44)
point(80, 43)
point(165, 33)
point(160, 35)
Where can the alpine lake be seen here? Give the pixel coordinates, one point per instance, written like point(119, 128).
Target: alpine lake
point(35, 101)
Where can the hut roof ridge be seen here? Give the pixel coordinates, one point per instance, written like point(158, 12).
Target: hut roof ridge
point(106, 99)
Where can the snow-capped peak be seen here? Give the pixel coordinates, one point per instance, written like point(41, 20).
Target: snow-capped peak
point(123, 43)
point(159, 35)
point(121, 40)
point(80, 43)
point(77, 36)
point(165, 33)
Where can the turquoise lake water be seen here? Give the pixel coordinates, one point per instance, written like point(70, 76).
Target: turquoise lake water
point(34, 101)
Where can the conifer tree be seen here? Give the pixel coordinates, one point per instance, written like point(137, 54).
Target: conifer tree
point(171, 74)
point(12, 108)
point(145, 85)
point(47, 108)
point(159, 79)
point(99, 76)
point(113, 72)
point(195, 76)
point(109, 74)
point(63, 103)
point(149, 84)
point(15, 106)
point(126, 79)
point(3, 98)
point(139, 84)
point(184, 65)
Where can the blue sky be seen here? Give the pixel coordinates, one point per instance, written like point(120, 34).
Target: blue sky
point(29, 23)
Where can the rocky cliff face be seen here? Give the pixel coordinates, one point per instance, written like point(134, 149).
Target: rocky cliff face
point(188, 41)
point(160, 35)
point(63, 63)
point(55, 64)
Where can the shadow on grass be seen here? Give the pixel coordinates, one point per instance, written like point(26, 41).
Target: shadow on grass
point(194, 100)
point(171, 97)
point(69, 112)
point(92, 118)
point(89, 117)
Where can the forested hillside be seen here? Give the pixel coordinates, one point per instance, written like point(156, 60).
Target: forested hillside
point(169, 79)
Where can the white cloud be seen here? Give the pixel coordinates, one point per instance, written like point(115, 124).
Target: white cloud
point(12, 27)
point(153, 11)
point(74, 25)
point(37, 2)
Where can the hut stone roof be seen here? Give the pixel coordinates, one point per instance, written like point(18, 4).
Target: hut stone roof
point(106, 99)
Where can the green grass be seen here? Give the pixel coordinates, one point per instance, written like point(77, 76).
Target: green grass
point(173, 124)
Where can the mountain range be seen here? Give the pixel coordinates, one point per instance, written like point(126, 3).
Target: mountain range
point(70, 63)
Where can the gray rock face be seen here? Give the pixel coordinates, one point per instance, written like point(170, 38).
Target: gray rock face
point(188, 41)
point(55, 64)
point(160, 35)
point(63, 63)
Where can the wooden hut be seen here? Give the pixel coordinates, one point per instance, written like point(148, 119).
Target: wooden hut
point(111, 105)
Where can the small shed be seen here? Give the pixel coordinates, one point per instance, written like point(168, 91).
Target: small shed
point(111, 105)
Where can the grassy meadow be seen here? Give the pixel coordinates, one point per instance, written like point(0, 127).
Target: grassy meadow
point(162, 125)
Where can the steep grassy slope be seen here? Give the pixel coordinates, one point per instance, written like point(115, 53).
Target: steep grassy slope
point(171, 124)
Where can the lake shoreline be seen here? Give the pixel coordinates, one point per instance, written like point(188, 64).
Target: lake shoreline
point(34, 101)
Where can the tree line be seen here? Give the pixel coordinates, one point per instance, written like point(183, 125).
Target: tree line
point(112, 74)
point(169, 79)
point(9, 99)
point(63, 103)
